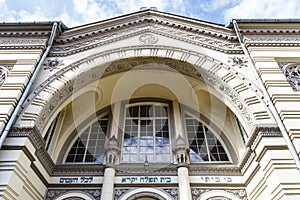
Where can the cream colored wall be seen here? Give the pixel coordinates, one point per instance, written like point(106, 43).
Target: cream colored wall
point(18, 180)
point(276, 174)
point(24, 62)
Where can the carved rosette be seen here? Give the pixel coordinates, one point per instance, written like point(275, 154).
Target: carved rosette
point(119, 192)
point(173, 192)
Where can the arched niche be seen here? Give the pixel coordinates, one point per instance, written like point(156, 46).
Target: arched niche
point(154, 85)
point(93, 69)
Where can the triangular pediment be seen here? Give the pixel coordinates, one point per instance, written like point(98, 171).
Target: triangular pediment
point(205, 34)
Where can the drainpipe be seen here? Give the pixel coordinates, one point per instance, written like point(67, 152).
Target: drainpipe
point(29, 85)
point(268, 100)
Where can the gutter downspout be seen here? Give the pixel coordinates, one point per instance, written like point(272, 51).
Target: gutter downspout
point(29, 85)
point(268, 100)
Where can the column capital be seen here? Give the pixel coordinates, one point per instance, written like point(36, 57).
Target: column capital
point(112, 152)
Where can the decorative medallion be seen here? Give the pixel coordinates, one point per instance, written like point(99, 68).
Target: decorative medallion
point(53, 64)
point(238, 61)
point(148, 38)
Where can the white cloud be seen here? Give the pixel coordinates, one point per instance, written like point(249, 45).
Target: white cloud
point(213, 5)
point(79, 12)
point(264, 9)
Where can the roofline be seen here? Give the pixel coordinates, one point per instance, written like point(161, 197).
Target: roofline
point(148, 11)
point(268, 20)
point(261, 21)
point(34, 23)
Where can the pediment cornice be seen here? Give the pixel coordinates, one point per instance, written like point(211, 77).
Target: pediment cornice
point(204, 34)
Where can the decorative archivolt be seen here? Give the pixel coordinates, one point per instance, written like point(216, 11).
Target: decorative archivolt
point(67, 81)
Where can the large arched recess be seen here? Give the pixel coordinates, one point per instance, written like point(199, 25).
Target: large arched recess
point(209, 75)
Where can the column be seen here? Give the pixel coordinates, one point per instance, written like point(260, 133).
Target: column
point(112, 152)
point(107, 192)
point(182, 159)
point(184, 183)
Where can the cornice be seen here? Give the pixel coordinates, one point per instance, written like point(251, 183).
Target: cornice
point(262, 131)
point(138, 169)
point(216, 38)
point(272, 37)
point(23, 42)
point(143, 17)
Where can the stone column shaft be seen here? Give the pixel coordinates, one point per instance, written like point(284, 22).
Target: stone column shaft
point(107, 192)
point(184, 184)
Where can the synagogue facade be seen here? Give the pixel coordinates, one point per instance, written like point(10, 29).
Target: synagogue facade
point(150, 106)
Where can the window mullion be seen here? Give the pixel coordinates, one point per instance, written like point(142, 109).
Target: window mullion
point(87, 143)
point(205, 138)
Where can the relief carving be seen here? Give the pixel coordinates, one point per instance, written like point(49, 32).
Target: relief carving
point(292, 72)
point(4, 72)
point(231, 95)
point(239, 193)
point(52, 64)
point(53, 194)
point(216, 43)
point(16, 41)
point(238, 61)
point(148, 38)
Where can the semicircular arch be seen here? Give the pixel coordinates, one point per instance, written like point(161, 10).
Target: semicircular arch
point(69, 80)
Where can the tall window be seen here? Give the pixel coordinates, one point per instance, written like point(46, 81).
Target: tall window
point(89, 147)
point(204, 145)
point(146, 134)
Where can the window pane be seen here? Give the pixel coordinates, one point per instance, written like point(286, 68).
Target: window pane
point(151, 133)
point(204, 145)
point(89, 147)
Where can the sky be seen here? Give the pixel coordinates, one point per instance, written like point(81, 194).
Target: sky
point(79, 12)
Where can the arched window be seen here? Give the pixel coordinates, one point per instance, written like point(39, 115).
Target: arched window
point(89, 147)
point(146, 134)
point(204, 145)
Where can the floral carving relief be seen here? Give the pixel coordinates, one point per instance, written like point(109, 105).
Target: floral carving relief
point(292, 72)
point(52, 64)
point(238, 61)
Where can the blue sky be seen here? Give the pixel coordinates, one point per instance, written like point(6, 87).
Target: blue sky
point(79, 12)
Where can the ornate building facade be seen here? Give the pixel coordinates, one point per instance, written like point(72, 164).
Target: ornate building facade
point(150, 105)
